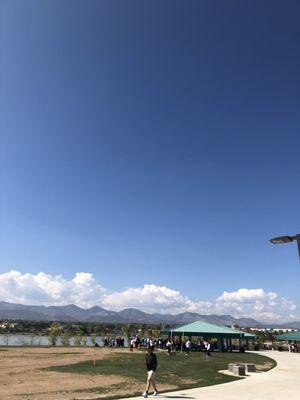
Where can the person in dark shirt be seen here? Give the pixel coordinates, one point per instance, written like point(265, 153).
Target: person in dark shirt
point(151, 365)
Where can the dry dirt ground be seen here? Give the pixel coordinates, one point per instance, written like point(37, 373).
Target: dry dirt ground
point(22, 377)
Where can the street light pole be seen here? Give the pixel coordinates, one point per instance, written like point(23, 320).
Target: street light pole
point(287, 239)
point(298, 244)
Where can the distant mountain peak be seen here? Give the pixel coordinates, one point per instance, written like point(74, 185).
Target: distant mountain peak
point(74, 313)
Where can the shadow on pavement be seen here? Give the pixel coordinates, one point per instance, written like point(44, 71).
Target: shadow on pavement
point(179, 397)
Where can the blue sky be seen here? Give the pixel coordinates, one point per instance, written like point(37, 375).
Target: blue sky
point(149, 142)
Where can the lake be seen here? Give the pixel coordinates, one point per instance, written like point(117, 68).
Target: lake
point(39, 340)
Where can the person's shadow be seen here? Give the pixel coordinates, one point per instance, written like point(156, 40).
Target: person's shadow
point(179, 397)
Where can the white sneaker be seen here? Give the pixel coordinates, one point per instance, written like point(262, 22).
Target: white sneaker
point(155, 393)
point(145, 394)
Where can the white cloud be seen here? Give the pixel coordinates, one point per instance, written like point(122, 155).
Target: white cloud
point(254, 303)
point(152, 298)
point(45, 289)
point(85, 291)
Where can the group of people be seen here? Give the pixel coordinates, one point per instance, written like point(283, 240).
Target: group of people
point(187, 346)
point(112, 342)
point(139, 343)
point(170, 345)
point(293, 348)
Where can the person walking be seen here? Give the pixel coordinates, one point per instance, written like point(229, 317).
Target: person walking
point(188, 347)
point(151, 366)
point(131, 344)
point(169, 347)
point(205, 348)
point(208, 349)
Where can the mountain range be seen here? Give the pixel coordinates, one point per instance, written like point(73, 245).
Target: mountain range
point(72, 313)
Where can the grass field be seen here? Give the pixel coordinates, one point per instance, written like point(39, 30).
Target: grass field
point(180, 372)
point(67, 373)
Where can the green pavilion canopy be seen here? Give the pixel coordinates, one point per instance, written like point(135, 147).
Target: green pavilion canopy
point(290, 336)
point(206, 330)
point(249, 336)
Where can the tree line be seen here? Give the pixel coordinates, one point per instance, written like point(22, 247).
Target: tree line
point(80, 328)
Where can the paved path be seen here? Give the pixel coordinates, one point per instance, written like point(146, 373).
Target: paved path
point(282, 382)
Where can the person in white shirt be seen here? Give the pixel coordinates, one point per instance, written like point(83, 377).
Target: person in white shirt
point(169, 347)
point(208, 349)
point(188, 347)
point(132, 343)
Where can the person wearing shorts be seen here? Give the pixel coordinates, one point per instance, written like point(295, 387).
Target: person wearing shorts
point(151, 365)
point(188, 347)
point(169, 347)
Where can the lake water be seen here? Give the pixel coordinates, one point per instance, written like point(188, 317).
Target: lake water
point(39, 340)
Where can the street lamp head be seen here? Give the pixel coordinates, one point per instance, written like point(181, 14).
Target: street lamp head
point(282, 239)
point(287, 239)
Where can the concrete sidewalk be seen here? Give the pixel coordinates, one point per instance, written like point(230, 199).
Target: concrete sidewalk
point(282, 382)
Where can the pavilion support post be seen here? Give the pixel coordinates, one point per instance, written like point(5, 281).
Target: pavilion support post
point(230, 345)
point(220, 344)
point(181, 343)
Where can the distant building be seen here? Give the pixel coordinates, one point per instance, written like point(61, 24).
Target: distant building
point(274, 329)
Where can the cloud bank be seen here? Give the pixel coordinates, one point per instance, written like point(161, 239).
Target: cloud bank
point(85, 291)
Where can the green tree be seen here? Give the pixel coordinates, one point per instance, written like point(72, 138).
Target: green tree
point(93, 340)
point(99, 330)
point(53, 333)
point(65, 337)
point(79, 338)
point(156, 332)
point(127, 332)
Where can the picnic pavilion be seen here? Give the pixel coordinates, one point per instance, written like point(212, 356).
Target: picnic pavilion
point(224, 335)
point(289, 337)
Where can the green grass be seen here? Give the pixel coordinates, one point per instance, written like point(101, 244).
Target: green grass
point(181, 371)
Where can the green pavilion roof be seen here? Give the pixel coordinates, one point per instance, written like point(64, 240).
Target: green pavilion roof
point(249, 335)
point(204, 329)
point(293, 336)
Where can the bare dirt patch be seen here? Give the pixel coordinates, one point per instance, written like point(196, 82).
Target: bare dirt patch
point(22, 375)
point(187, 381)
